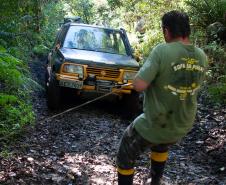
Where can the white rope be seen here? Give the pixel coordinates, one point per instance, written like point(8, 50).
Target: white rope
point(74, 108)
point(86, 103)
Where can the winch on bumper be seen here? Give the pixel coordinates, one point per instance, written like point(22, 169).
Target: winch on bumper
point(97, 83)
point(98, 80)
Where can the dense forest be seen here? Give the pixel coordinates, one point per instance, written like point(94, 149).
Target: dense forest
point(28, 29)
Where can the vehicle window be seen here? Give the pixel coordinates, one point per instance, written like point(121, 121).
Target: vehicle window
point(95, 39)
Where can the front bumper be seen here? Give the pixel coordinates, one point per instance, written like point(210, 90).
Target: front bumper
point(94, 85)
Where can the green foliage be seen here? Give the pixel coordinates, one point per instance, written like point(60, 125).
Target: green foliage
point(151, 40)
point(9, 73)
point(40, 50)
point(2, 49)
point(217, 72)
point(24, 24)
point(7, 99)
point(3, 43)
point(15, 108)
point(17, 52)
point(151, 11)
point(217, 58)
point(114, 3)
point(20, 19)
point(53, 14)
point(206, 12)
point(218, 92)
point(198, 36)
point(14, 113)
point(5, 153)
point(84, 9)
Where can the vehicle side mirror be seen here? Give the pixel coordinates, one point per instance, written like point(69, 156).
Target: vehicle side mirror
point(57, 47)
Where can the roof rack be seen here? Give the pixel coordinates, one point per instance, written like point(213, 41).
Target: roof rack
point(74, 19)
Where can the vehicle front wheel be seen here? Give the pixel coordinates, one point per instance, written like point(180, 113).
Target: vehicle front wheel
point(132, 105)
point(53, 95)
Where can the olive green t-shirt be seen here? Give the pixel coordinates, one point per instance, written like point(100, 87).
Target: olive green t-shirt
point(175, 72)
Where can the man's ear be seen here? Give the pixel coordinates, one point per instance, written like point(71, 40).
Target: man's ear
point(166, 31)
point(167, 34)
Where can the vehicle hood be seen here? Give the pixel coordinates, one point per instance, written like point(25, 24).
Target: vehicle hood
point(93, 58)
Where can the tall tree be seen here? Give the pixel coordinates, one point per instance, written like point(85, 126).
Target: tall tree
point(83, 8)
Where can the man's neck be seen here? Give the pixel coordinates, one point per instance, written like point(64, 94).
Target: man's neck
point(183, 40)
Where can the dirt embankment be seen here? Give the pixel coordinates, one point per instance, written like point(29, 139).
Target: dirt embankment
point(80, 147)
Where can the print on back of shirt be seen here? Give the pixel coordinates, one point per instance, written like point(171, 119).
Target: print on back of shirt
point(186, 79)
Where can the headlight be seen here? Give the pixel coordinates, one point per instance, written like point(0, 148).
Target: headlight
point(76, 69)
point(129, 75)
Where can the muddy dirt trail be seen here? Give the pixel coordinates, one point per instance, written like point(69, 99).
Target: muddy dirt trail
point(79, 148)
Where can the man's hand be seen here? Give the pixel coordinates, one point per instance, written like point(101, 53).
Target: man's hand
point(140, 85)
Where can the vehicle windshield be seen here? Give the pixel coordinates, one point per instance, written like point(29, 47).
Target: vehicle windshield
point(95, 39)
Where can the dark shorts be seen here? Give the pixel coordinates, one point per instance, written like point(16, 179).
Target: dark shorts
point(132, 145)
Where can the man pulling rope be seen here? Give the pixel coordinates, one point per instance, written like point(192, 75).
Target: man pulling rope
point(170, 79)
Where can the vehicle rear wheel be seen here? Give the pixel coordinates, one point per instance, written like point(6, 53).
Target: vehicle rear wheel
point(132, 105)
point(53, 95)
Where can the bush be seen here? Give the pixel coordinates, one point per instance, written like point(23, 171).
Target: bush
point(218, 92)
point(150, 40)
point(14, 114)
point(217, 58)
point(217, 72)
point(204, 13)
point(15, 87)
point(40, 50)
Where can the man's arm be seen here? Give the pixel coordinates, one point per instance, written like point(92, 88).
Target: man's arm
point(140, 85)
point(147, 72)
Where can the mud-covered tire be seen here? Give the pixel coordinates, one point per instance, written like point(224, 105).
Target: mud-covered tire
point(53, 95)
point(132, 105)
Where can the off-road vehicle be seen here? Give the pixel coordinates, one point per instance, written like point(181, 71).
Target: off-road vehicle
point(90, 58)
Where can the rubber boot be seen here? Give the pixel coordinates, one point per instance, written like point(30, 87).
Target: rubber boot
point(157, 169)
point(125, 179)
point(158, 160)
